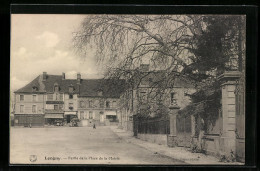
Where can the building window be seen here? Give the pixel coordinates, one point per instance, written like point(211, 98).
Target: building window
point(21, 108)
point(50, 97)
point(173, 98)
point(81, 114)
point(61, 97)
point(60, 106)
point(71, 96)
point(114, 104)
point(90, 115)
point(34, 98)
point(100, 93)
point(90, 103)
point(21, 97)
point(70, 89)
point(56, 96)
point(107, 104)
point(34, 109)
point(82, 104)
point(56, 88)
point(71, 106)
point(101, 103)
point(56, 107)
point(143, 97)
point(35, 88)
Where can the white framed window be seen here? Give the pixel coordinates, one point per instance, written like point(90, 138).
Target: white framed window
point(50, 97)
point(21, 108)
point(34, 97)
point(21, 97)
point(81, 114)
point(61, 97)
point(34, 109)
point(90, 115)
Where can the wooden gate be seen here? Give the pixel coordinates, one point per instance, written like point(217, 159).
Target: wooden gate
point(183, 124)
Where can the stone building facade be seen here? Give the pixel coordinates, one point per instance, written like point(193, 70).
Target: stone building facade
point(49, 99)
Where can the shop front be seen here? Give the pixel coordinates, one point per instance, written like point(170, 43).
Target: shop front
point(28, 120)
point(54, 119)
point(69, 115)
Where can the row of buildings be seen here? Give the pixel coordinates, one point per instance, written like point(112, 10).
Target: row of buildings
point(49, 99)
point(53, 98)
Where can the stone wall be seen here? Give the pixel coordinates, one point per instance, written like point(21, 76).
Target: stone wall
point(160, 139)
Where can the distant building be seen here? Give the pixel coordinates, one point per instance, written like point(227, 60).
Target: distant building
point(52, 98)
point(149, 93)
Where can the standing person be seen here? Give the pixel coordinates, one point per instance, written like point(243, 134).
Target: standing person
point(94, 126)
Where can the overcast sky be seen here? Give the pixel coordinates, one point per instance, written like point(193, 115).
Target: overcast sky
point(44, 43)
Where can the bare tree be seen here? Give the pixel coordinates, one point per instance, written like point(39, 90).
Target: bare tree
point(173, 45)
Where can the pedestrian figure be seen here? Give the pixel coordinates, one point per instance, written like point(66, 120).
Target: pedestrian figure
point(94, 126)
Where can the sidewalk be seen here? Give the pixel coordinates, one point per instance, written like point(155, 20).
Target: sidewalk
point(179, 153)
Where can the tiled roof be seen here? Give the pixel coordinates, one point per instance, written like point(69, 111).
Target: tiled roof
point(92, 87)
point(159, 78)
point(109, 88)
point(87, 87)
point(29, 87)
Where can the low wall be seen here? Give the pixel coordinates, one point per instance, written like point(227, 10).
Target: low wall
point(154, 138)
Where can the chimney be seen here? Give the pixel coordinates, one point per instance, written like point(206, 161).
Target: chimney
point(44, 76)
point(78, 78)
point(144, 67)
point(63, 76)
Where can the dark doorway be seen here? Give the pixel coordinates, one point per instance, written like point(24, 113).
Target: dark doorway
point(68, 118)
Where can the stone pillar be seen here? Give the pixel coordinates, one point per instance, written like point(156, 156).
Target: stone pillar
point(228, 82)
point(120, 126)
point(192, 126)
point(174, 108)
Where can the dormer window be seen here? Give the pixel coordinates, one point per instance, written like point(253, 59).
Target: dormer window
point(100, 93)
point(56, 87)
point(35, 88)
point(71, 89)
point(173, 98)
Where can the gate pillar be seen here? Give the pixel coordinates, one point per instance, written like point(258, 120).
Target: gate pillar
point(228, 82)
point(171, 141)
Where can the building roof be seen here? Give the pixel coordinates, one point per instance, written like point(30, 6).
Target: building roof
point(102, 87)
point(161, 79)
point(87, 87)
point(29, 87)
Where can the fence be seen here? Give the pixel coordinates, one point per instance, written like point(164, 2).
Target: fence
point(154, 125)
point(183, 124)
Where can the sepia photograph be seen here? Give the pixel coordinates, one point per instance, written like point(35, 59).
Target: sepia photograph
point(127, 89)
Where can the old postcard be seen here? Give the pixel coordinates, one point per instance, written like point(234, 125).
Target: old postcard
point(127, 89)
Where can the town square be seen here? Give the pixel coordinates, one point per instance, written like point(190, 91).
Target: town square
point(127, 89)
